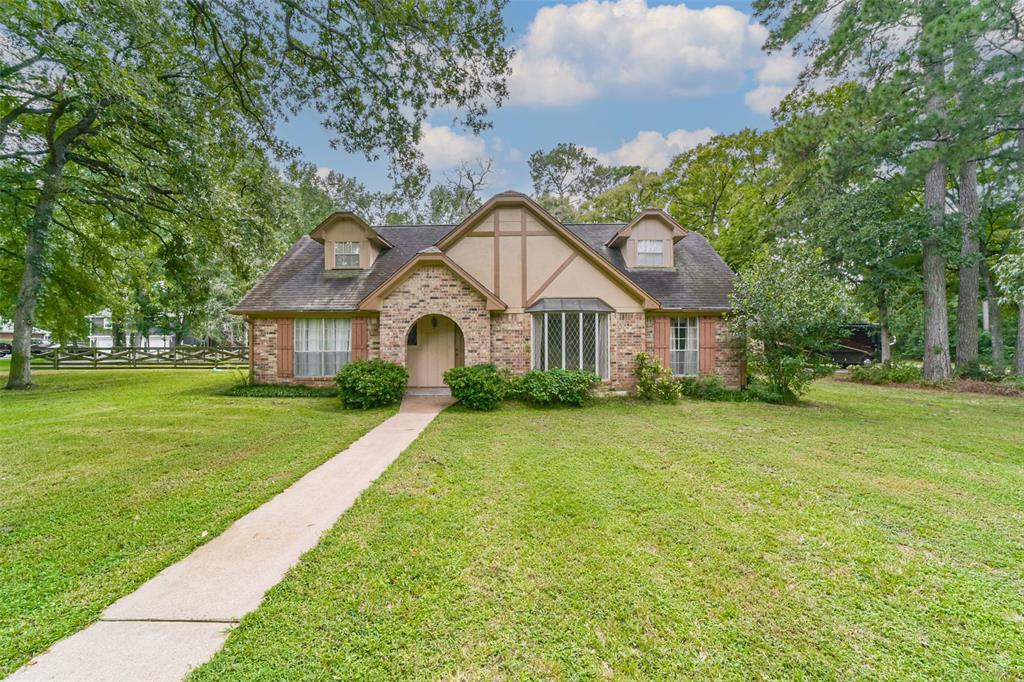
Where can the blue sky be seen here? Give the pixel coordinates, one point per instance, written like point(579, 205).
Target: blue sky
point(634, 81)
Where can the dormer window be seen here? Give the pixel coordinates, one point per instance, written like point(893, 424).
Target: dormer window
point(650, 253)
point(346, 254)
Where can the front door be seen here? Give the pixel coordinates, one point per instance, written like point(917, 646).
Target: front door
point(431, 349)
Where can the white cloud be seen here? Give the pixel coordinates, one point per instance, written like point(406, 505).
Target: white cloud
point(444, 148)
point(323, 171)
point(764, 98)
point(653, 150)
point(576, 53)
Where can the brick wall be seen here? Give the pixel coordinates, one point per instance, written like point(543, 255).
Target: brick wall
point(628, 337)
point(510, 341)
point(728, 361)
point(434, 290)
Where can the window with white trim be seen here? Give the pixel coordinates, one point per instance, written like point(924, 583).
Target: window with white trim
point(571, 340)
point(322, 347)
point(685, 349)
point(650, 252)
point(346, 254)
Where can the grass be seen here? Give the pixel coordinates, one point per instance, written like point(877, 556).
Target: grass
point(868, 533)
point(281, 391)
point(108, 476)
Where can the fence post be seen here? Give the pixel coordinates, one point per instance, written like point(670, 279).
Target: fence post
point(56, 358)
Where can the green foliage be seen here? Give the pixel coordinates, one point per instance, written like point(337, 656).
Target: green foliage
point(654, 382)
point(557, 387)
point(371, 383)
point(623, 202)
point(568, 175)
point(790, 315)
point(280, 391)
point(709, 387)
point(479, 387)
point(728, 189)
point(758, 391)
point(885, 374)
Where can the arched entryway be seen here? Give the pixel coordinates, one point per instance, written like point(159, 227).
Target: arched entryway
point(433, 345)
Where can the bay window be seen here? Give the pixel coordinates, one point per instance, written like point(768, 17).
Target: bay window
point(322, 347)
point(685, 348)
point(571, 340)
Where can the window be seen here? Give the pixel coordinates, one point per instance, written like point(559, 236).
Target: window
point(322, 347)
point(685, 346)
point(413, 337)
point(346, 254)
point(571, 340)
point(649, 252)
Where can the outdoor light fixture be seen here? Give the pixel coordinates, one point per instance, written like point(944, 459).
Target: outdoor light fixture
point(433, 322)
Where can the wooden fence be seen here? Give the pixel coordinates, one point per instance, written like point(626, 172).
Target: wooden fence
point(183, 357)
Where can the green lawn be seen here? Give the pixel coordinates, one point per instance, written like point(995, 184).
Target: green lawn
point(872, 533)
point(106, 477)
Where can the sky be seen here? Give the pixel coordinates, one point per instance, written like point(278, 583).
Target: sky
point(634, 81)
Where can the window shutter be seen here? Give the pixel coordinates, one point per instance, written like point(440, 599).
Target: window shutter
point(360, 339)
point(662, 341)
point(285, 348)
point(708, 344)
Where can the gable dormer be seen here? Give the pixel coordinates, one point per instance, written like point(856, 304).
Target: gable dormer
point(648, 240)
point(349, 242)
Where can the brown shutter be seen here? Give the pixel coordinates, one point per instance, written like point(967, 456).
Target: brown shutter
point(360, 339)
point(285, 348)
point(662, 341)
point(708, 344)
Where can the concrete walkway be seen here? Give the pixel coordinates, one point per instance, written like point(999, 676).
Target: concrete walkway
point(180, 618)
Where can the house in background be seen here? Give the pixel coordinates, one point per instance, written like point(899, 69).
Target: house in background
point(509, 285)
point(101, 334)
point(7, 333)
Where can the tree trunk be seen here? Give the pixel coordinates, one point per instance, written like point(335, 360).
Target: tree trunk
point(995, 318)
point(936, 316)
point(883, 321)
point(36, 232)
point(967, 299)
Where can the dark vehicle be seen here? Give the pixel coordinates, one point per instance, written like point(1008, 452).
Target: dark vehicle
point(5, 349)
point(860, 346)
point(39, 346)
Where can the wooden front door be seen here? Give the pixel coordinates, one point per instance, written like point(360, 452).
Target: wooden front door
point(430, 350)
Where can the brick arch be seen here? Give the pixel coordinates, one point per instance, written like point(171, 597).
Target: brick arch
point(435, 290)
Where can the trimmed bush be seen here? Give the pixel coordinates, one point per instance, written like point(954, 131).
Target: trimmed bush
point(557, 387)
point(882, 374)
point(479, 387)
point(280, 391)
point(654, 382)
point(710, 387)
point(371, 383)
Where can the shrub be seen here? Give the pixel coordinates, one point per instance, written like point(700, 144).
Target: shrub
point(371, 383)
point(480, 387)
point(654, 382)
point(710, 387)
point(977, 372)
point(882, 374)
point(280, 391)
point(557, 387)
point(765, 393)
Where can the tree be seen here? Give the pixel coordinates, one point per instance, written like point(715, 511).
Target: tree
point(790, 315)
point(568, 175)
point(919, 69)
point(623, 202)
point(122, 118)
point(728, 189)
point(970, 268)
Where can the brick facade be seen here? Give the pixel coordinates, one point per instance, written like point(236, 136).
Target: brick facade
point(501, 338)
point(510, 342)
point(435, 290)
point(628, 337)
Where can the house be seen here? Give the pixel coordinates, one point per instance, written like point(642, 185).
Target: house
point(101, 334)
point(7, 333)
point(509, 285)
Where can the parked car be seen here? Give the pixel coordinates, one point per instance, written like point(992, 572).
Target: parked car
point(860, 346)
point(39, 346)
point(5, 349)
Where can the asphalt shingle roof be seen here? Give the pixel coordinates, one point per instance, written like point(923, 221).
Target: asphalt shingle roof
point(298, 282)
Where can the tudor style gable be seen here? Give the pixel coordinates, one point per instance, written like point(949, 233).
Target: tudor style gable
point(349, 242)
point(523, 254)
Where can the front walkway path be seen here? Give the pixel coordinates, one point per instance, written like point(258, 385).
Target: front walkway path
point(181, 617)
